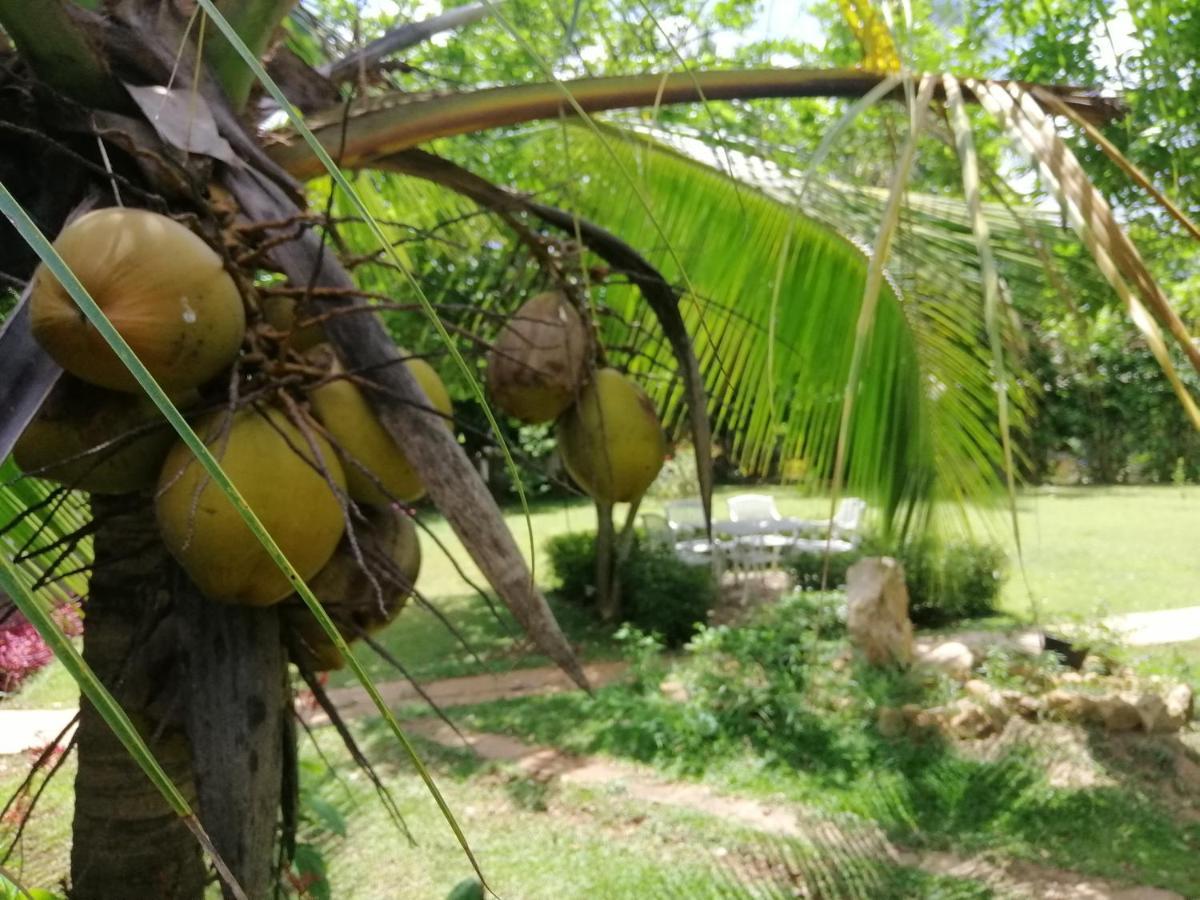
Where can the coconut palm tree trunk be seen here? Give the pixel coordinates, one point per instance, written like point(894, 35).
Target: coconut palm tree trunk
point(206, 685)
point(126, 841)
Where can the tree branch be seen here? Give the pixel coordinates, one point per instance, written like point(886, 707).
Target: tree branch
point(385, 125)
point(408, 35)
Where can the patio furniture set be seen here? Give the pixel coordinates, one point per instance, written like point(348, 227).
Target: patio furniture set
point(755, 536)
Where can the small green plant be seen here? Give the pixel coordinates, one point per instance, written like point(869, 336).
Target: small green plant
point(469, 889)
point(661, 594)
point(9, 891)
point(308, 875)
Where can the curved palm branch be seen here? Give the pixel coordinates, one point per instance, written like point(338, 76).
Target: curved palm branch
point(731, 240)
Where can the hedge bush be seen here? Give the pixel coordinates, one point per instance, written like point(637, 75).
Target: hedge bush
point(659, 593)
point(947, 580)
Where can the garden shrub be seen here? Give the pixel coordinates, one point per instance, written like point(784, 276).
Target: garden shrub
point(947, 580)
point(659, 593)
point(22, 650)
point(761, 683)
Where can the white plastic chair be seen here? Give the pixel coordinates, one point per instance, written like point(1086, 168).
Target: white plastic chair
point(685, 517)
point(753, 508)
point(676, 530)
point(658, 532)
point(847, 518)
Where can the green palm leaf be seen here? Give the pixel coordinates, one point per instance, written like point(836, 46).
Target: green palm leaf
point(925, 411)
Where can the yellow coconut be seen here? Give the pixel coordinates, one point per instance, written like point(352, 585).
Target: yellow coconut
point(343, 409)
point(391, 552)
point(539, 359)
point(161, 286)
point(611, 441)
point(272, 465)
point(95, 440)
point(280, 313)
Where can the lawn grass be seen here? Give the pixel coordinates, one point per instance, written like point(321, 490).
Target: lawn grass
point(428, 650)
point(806, 734)
point(49, 688)
point(1105, 550)
point(562, 842)
point(1178, 662)
point(1088, 551)
point(532, 842)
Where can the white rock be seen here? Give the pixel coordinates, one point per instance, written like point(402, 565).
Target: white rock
point(953, 658)
point(966, 720)
point(1180, 702)
point(1069, 706)
point(1119, 712)
point(877, 611)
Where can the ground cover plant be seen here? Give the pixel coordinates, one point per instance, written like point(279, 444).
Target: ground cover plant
point(772, 709)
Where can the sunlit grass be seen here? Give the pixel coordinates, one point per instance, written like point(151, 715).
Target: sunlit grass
point(1088, 551)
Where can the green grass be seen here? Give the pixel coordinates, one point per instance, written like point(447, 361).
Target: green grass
point(49, 688)
point(1178, 662)
point(561, 842)
point(534, 842)
point(1087, 551)
point(1092, 551)
point(429, 650)
point(822, 751)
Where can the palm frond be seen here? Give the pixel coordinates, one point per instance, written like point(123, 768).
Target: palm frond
point(927, 408)
point(43, 530)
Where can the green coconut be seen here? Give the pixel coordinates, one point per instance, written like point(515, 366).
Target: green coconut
point(391, 552)
point(539, 360)
point(164, 290)
point(365, 443)
point(96, 440)
point(611, 441)
point(273, 467)
point(280, 313)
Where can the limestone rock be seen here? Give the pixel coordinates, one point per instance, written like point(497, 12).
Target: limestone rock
point(952, 658)
point(1069, 706)
point(978, 688)
point(1119, 712)
point(968, 720)
point(877, 611)
point(1179, 703)
point(1153, 712)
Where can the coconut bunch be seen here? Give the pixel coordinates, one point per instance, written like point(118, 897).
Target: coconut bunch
point(609, 435)
point(294, 457)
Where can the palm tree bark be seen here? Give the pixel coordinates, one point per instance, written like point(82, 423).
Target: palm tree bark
point(206, 685)
point(237, 703)
point(126, 840)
